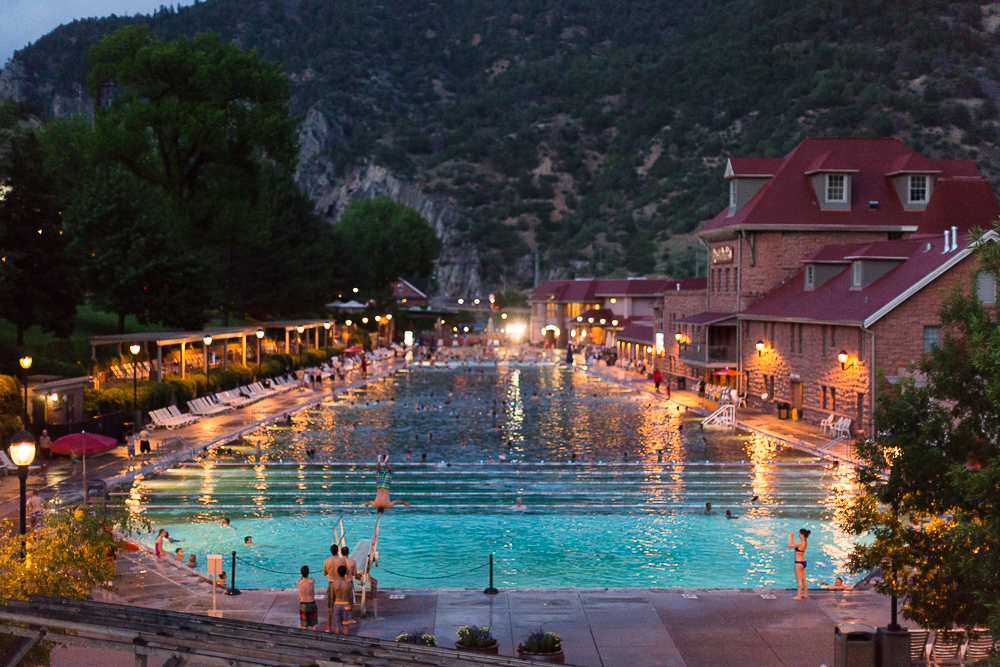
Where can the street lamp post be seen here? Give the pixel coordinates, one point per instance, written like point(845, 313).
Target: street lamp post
point(22, 453)
point(207, 340)
point(326, 338)
point(25, 364)
point(260, 361)
point(299, 329)
point(136, 419)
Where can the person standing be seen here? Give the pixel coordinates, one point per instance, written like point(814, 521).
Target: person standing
point(341, 590)
point(657, 379)
point(307, 600)
point(36, 505)
point(158, 545)
point(144, 449)
point(330, 566)
point(130, 451)
point(364, 366)
point(802, 587)
point(45, 445)
point(352, 568)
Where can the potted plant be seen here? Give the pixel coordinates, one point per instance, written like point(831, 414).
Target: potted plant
point(477, 638)
point(418, 637)
point(543, 647)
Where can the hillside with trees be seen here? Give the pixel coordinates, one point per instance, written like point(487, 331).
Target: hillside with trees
point(594, 132)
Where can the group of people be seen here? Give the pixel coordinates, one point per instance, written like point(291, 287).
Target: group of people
point(341, 571)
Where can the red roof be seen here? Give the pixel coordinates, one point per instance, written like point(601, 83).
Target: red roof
point(789, 200)
point(597, 315)
point(592, 289)
point(637, 333)
point(836, 301)
point(754, 166)
point(404, 290)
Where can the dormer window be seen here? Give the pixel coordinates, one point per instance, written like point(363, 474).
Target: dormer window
point(918, 189)
point(732, 196)
point(810, 276)
point(856, 274)
point(836, 187)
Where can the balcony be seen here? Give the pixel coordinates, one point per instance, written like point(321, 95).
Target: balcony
point(699, 354)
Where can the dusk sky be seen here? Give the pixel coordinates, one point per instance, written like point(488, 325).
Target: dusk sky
point(24, 21)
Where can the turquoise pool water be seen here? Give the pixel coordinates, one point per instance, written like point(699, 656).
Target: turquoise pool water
point(580, 453)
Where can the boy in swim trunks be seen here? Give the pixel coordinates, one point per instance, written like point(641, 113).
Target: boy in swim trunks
point(382, 483)
point(340, 601)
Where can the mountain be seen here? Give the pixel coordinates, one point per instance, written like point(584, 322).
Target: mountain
point(594, 132)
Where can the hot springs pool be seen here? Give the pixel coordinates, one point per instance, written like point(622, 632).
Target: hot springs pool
point(580, 453)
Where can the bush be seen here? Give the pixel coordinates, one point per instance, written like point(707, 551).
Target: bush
point(149, 396)
point(475, 636)
point(542, 642)
point(418, 637)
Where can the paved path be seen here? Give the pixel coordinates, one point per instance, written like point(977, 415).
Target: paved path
point(618, 627)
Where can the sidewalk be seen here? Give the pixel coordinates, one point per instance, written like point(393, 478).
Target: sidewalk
point(797, 434)
point(176, 445)
point(601, 627)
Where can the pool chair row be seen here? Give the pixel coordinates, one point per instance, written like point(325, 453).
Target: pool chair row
point(231, 399)
point(950, 647)
point(171, 418)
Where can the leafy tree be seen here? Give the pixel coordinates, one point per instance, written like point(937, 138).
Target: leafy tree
point(130, 262)
point(929, 497)
point(381, 240)
point(38, 284)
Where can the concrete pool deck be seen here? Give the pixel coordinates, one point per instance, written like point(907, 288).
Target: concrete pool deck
point(601, 627)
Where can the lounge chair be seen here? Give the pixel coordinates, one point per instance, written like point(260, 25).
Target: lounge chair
point(947, 647)
point(826, 424)
point(981, 642)
point(6, 464)
point(918, 646)
point(182, 419)
point(841, 428)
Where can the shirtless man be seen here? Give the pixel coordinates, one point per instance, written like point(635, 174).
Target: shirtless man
point(330, 566)
point(36, 506)
point(384, 480)
point(352, 569)
point(341, 590)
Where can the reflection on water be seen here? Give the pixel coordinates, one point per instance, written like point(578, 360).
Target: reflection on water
point(580, 453)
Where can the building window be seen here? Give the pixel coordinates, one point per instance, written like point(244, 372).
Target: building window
point(836, 187)
point(932, 338)
point(833, 399)
point(551, 309)
point(810, 276)
point(736, 281)
point(855, 274)
point(824, 402)
point(727, 280)
point(833, 336)
point(918, 189)
point(732, 195)
point(986, 288)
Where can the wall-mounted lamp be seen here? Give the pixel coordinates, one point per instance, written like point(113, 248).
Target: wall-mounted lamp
point(760, 348)
point(845, 360)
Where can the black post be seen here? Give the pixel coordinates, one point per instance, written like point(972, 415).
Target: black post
point(260, 362)
point(232, 590)
point(25, 398)
point(22, 476)
point(491, 590)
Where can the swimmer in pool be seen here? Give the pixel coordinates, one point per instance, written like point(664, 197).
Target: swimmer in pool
point(384, 480)
point(519, 506)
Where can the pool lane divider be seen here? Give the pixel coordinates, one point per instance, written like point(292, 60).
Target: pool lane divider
point(439, 468)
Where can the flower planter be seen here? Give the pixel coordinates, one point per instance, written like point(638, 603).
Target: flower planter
point(492, 649)
point(556, 658)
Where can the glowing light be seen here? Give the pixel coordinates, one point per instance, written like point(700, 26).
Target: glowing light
point(364, 320)
point(504, 316)
point(347, 322)
point(260, 333)
point(461, 301)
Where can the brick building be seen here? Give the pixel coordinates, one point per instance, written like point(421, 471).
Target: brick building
point(840, 244)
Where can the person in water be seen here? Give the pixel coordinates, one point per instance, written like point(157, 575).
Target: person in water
point(802, 587)
point(383, 481)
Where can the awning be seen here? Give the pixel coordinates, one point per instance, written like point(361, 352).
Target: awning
point(707, 318)
point(636, 333)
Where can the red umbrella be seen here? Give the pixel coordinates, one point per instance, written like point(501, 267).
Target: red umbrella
point(727, 371)
point(354, 348)
point(83, 443)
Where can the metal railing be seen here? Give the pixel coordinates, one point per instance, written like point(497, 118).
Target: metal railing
point(714, 354)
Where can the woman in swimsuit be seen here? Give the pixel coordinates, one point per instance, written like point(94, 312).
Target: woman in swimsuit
point(382, 483)
point(802, 587)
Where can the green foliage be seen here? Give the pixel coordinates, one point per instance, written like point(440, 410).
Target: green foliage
point(11, 408)
point(149, 395)
point(38, 283)
point(540, 641)
point(475, 636)
point(593, 88)
point(418, 637)
point(383, 240)
point(928, 499)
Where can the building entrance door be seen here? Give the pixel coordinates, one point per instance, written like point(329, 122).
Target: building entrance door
point(797, 397)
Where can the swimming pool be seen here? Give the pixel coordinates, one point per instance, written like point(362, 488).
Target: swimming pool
point(581, 453)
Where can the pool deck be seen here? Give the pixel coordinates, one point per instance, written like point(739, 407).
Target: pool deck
point(601, 627)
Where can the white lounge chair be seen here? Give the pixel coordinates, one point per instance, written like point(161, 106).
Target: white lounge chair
point(981, 642)
point(841, 428)
point(6, 464)
point(947, 646)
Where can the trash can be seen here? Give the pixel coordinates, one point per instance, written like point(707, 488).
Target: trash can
point(853, 645)
point(783, 410)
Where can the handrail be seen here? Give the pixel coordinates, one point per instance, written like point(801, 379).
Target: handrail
point(366, 574)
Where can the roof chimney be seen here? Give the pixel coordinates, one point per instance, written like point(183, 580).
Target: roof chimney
point(945, 242)
point(954, 237)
